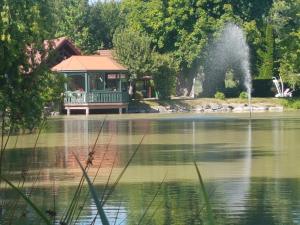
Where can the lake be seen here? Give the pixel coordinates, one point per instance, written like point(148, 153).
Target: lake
point(250, 168)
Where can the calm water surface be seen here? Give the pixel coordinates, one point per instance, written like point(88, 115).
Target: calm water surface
point(250, 167)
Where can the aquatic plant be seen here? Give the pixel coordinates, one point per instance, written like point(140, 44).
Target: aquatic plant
point(209, 215)
point(28, 201)
point(96, 199)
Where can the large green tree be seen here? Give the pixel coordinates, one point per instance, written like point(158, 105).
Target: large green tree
point(134, 49)
point(72, 20)
point(177, 27)
point(104, 19)
point(90, 25)
point(285, 18)
point(267, 55)
point(24, 26)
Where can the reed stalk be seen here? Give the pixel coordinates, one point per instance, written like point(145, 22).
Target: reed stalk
point(151, 202)
point(28, 201)
point(123, 171)
point(106, 186)
point(93, 192)
point(118, 211)
point(71, 210)
point(209, 215)
point(97, 172)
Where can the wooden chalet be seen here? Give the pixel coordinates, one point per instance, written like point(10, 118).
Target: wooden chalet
point(94, 82)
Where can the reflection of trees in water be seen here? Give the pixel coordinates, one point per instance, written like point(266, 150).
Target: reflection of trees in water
point(268, 202)
point(272, 201)
point(43, 198)
point(177, 204)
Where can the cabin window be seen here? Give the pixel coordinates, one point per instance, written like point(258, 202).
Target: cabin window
point(97, 82)
point(76, 82)
point(112, 82)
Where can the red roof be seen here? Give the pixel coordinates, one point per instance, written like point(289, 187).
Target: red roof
point(60, 42)
point(36, 57)
point(89, 63)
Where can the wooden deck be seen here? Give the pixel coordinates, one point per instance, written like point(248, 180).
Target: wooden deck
point(96, 100)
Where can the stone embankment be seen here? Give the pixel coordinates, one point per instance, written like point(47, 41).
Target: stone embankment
point(206, 107)
point(218, 108)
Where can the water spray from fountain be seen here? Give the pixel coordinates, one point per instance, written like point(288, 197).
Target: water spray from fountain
point(230, 50)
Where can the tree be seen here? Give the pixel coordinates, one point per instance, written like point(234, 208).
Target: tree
point(164, 75)
point(133, 49)
point(267, 55)
point(177, 27)
point(24, 26)
point(72, 20)
point(104, 19)
point(285, 19)
point(186, 28)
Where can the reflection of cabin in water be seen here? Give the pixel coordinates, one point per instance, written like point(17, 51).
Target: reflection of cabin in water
point(94, 82)
point(78, 139)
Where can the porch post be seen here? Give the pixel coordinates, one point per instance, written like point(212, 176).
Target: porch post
point(104, 82)
point(66, 84)
point(86, 86)
point(86, 82)
point(120, 83)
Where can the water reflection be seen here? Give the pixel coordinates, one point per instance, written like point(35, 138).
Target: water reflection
point(250, 168)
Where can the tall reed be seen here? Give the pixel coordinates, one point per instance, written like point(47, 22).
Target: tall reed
point(209, 214)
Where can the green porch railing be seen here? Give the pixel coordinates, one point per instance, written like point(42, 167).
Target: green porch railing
point(77, 97)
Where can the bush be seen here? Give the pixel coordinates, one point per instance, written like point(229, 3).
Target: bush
point(243, 95)
point(164, 76)
point(296, 104)
point(220, 95)
point(293, 103)
point(138, 95)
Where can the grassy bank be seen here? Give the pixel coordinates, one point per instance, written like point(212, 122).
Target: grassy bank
point(291, 103)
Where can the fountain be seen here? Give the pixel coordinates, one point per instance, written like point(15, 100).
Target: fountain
point(281, 92)
point(230, 50)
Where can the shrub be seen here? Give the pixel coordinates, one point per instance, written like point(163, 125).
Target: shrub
point(138, 95)
point(243, 95)
point(296, 104)
point(220, 95)
point(293, 103)
point(164, 76)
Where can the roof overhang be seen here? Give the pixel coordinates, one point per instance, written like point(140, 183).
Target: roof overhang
point(92, 71)
point(89, 63)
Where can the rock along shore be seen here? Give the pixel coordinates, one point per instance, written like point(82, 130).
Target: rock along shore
point(205, 106)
